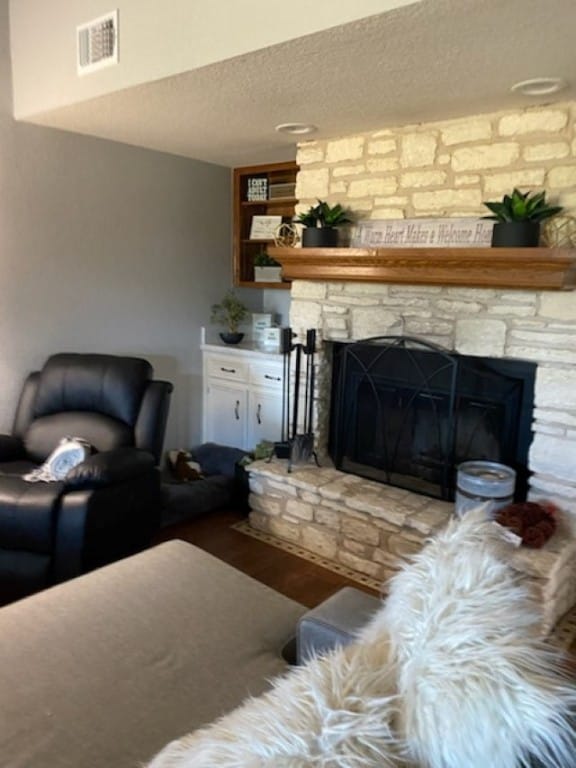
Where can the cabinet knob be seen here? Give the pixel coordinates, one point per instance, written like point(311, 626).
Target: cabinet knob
point(258, 412)
point(272, 378)
point(237, 410)
point(228, 370)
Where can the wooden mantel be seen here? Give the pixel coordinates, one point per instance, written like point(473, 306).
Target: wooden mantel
point(526, 268)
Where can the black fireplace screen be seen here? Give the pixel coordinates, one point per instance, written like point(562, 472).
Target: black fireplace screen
point(406, 413)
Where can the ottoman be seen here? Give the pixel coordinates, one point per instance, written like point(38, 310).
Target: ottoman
point(334, 622)
point(105, 669)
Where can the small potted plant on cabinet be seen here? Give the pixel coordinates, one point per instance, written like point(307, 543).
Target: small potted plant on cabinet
point(320, 225)
point(230, 313)
point(518, 218)
point(266, 269)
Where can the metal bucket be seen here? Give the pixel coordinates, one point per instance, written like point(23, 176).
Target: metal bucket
point(478, 482)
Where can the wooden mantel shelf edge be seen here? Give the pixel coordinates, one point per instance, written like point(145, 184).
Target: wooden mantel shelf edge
point(524, 268)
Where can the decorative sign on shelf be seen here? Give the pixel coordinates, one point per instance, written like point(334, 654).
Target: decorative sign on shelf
point(264, 227)
point(279, 191)
point(423, 233)
point(257, 189)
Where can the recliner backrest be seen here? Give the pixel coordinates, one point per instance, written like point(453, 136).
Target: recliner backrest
point(99, 383)
point(103, 398)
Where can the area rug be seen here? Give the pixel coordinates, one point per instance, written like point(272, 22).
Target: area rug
point(564, 633)
point(359, 578)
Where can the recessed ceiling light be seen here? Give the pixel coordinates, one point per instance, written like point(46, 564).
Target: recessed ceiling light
point(539, 86)
point(296, 129)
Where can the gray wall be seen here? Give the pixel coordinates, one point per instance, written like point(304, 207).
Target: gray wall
point(106, 248)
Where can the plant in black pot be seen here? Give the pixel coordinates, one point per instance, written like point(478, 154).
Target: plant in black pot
point(518, 218)
point(320, 225)
point(230, 313)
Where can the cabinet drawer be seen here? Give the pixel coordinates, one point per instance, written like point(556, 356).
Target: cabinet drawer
point(224, 368)
point(266, 375)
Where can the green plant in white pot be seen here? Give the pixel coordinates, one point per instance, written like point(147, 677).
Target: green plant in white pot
point(266, 269)
point(518, 218)
point(230, 312)
point(321, 224)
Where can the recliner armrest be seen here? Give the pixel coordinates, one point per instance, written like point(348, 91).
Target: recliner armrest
point(11, 448)
point(109, 468)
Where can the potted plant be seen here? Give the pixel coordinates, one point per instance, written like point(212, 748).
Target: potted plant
point(320, 225)
point(266, 269)
point(518, 218)
point(230, 313)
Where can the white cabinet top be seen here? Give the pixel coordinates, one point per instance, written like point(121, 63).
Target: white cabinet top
point(245, 350)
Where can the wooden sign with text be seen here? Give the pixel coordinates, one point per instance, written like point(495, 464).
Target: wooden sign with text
point(423, 233)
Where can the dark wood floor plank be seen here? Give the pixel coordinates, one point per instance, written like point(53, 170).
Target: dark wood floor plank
point(299, 579)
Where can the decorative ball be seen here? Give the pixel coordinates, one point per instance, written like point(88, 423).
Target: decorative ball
point(286, 236)
point(559, 232)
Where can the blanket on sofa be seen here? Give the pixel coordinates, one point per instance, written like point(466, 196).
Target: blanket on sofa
point(451, 673)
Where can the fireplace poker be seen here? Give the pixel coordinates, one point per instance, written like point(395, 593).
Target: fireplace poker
point(302, 444)
point(297, 370)
point(282, 447)
point(310, 351)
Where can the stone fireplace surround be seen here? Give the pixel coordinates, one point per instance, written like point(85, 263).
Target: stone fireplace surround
point(370, 527)
point(440, 169)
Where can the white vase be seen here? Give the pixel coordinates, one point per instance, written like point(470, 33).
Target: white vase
point(268, 274)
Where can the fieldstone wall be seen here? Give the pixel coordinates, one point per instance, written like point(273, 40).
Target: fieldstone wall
point(447, 168)
point(523, 325)
point(435, 170)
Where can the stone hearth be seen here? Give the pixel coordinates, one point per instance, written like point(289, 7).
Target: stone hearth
point(373, 528)
point(361, 524)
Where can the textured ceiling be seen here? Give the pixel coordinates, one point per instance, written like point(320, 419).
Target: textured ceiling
point(430, 61)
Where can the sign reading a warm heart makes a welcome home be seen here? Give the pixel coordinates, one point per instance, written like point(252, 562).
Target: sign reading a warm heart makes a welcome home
point(423, 233)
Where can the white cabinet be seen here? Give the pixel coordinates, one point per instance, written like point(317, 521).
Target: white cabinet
point(264, 417)
point(225, 414)
point(242, 396)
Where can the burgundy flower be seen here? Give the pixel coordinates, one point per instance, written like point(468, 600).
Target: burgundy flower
point(535, 522)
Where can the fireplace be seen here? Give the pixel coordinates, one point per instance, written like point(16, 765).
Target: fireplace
point(369, 527)
point(406, 412)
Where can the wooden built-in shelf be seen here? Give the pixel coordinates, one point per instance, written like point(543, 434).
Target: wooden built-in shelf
point(267, 286)
point(245, 249)
point(527, 268)
point(269, 203)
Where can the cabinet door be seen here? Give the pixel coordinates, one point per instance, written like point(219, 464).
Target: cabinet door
point(225, 415)
point(264, 416)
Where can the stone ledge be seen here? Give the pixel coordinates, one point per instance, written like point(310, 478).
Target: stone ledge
point(374, 528)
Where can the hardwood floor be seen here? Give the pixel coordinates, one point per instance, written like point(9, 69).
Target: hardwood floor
point(305, 582)
point(302, 581)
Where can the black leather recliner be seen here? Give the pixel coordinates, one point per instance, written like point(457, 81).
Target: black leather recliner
point(108, 506)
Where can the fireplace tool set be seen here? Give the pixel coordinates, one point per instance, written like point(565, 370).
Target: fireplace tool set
point(297, 439)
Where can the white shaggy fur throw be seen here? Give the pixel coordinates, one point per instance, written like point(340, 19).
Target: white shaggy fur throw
point(451, 673)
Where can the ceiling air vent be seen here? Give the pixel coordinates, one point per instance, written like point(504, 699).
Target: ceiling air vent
point(98, 43)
